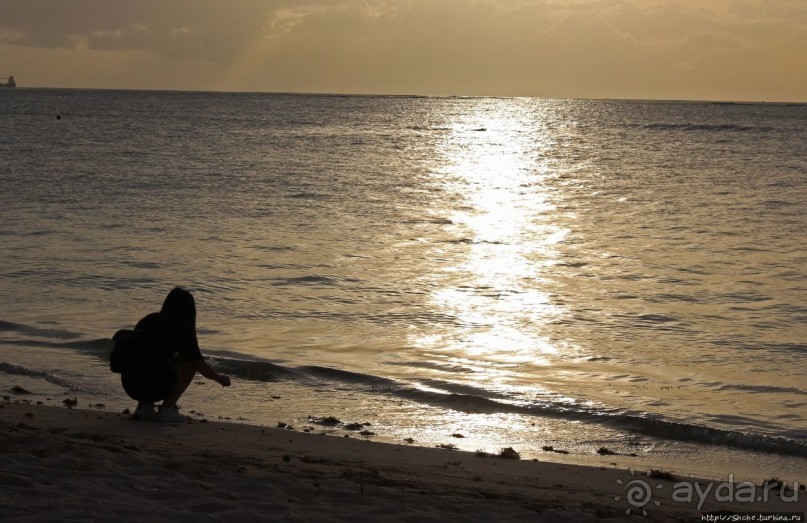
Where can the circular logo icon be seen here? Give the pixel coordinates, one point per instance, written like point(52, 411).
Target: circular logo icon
point(638, 493)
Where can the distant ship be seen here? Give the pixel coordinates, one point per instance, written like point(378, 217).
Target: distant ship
point(9, 83)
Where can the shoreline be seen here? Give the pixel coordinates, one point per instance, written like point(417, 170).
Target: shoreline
point(547, 439)
point(61, 462)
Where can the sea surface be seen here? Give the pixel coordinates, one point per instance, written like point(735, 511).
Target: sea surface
point(476, 272)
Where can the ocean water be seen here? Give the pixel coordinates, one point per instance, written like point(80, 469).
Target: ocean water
point(521, 272)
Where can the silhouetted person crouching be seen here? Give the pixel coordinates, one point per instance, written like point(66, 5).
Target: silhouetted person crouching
point(173, 356)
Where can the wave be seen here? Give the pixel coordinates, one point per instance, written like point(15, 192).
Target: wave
point(442, 393)
point(471, 241)
point(701, 127)
point(471, 399)
point(433, 365)
point(96, 346)
point(30, 330)
point(52, 337)
point(18, 370)
point(428, 128)
point(308, 196)
point(313, 279)
point(763, 389)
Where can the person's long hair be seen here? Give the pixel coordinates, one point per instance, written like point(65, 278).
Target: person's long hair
point(179, 306)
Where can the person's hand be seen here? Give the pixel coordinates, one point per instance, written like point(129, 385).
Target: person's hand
point(224, 380)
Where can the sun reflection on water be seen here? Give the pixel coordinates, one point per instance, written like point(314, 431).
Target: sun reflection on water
point(500, 207)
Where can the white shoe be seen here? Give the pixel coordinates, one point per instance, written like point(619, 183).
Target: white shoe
point(145, 411)
point(170, 414)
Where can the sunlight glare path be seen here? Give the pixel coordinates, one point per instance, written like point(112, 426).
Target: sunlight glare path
point(501, 210)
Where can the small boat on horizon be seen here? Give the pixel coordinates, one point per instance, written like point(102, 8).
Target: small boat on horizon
point(9, 83)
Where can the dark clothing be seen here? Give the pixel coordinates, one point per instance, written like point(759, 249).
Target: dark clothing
point(152, 386)
point(164, 341)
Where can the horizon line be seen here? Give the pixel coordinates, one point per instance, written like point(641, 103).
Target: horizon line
point(404, 95)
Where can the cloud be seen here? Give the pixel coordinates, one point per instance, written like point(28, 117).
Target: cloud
point(620, 48)
point(181, 29)
point(791, 11)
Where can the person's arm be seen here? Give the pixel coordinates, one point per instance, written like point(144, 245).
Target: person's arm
point(189, 351)
point(204, 368)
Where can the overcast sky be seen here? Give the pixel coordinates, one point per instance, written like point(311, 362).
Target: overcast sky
point(655, 49)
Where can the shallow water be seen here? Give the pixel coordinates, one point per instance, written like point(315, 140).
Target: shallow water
point(527, 272)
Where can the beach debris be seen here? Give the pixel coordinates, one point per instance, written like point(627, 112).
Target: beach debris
point(772, 483)
point(276, 397)
point(286, 458)
point(550, 448)
point(777, 486)
point(457, 435)
point(328, 421)
point(29, 414)
point(126, 411)
point(16, 389)
point(482, 454)
point(281, 425)
point(661, 474)
point(367, 433)
point(447, 446)
point(409, 440)
point(604, 451)
point(6, 398)
point(354, 426)
point(509, 453)
point(70, 402)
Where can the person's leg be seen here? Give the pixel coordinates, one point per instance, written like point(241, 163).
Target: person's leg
point(185, 373)
point(146, 388)
point(144, 410)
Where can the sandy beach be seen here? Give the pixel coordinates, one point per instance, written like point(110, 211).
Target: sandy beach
point(86, 463)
